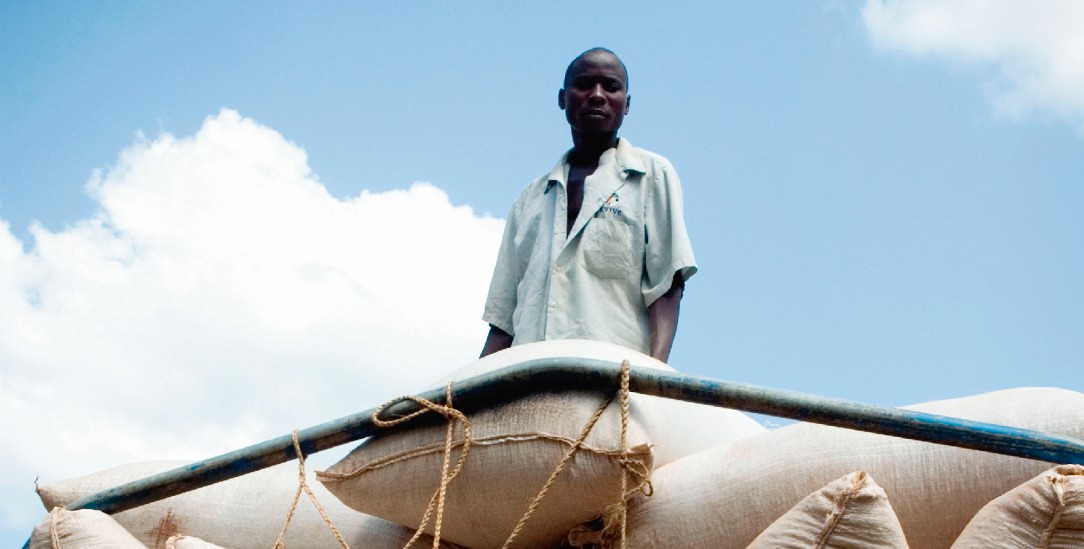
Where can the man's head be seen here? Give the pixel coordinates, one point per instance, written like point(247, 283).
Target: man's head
point(595, 93)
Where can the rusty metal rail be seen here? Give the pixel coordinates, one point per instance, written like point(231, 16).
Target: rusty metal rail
point(555, 374)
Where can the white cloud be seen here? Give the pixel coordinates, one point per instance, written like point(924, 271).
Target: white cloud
point(1035, 49)
point(221, 297)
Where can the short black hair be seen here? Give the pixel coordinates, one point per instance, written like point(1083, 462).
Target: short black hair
point(568, 71)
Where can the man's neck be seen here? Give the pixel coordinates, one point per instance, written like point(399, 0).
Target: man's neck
point(586, 150)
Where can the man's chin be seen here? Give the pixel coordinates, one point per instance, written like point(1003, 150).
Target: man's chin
point(596, 127)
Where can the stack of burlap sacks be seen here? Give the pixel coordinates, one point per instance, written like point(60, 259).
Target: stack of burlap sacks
point(718, 479)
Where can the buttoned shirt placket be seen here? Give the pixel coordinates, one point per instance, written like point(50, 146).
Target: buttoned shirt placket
point(607, 179)
point(558, 243)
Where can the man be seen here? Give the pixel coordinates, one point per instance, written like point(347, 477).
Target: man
point(597, 248)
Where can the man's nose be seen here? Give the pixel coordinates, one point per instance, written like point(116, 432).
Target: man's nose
point(597, 93)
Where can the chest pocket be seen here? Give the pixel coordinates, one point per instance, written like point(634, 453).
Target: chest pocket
point(608, 249)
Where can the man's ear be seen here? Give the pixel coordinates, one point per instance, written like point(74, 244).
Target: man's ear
point(628, 103)
point(561, 98)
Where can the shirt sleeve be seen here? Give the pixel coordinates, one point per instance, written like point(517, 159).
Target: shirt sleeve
point(667, 248)
point(503, 287)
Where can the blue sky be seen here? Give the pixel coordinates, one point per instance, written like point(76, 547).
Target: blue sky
point(885, 200)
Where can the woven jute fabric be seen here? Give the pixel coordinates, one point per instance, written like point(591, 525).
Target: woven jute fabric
point(189, 542)
point(515, 448)
point(675, 428)
point(1046, 512)
point(851, 512)
point(246, 512)
point(84, 529)
point(724, 497)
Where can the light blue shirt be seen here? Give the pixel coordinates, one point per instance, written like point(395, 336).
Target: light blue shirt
point(620, 256)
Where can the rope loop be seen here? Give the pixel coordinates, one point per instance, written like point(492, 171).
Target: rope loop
point(445, 410)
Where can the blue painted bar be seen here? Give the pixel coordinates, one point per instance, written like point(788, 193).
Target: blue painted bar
point(557, 374)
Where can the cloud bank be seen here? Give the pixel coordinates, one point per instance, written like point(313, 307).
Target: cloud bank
point(1034, 49)
point(221, 297)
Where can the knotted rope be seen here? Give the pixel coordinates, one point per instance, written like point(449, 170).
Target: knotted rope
point(304, 485)
point(1047, 538)
point(453, 416)
point(622, 503)
point(839, 503)
point(614, 516)
point(614, 519)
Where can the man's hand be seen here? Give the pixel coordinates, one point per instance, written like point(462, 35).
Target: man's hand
point(662, 317)
point(497, 340)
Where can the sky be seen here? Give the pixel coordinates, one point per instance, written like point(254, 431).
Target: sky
point(223, 221)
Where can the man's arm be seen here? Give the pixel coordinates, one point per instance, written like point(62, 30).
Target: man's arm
point(497, 340)
point(662, 317)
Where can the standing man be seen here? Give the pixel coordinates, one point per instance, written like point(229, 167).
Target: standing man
point(597, 248)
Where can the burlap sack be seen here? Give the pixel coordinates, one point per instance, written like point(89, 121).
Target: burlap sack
point(517, 446)
point(852, 512)
point(1045, 512)
point(724, 497)
point(245, 512)
point(675, 428)
point(85, 529)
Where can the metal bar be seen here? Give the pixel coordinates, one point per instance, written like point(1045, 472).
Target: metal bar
point(556, 374)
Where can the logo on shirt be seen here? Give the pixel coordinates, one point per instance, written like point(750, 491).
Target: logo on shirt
point(610, 207)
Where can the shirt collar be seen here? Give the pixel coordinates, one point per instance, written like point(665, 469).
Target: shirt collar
point(625, 157)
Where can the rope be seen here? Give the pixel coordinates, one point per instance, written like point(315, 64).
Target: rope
point(454, 416)
point(637, 468)
point(53, 527)
point(553, 476)
point(1052, 526)
point(613, 521)
point(304, 485)
point(622, 502)
point(840, 506)
point(618, 511)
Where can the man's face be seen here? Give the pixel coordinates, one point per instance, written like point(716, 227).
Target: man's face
point(595, 98)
